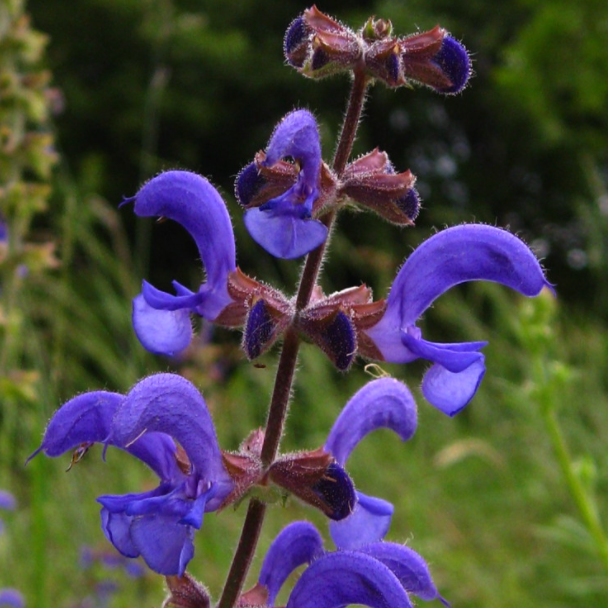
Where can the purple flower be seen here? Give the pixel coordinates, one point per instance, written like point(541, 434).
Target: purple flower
point(12, 598)
point(161, 320)
point(472, 252)
point(283, 225)
point(158, 525)
point(8, 502)
point(383, 403)
point(378, 574)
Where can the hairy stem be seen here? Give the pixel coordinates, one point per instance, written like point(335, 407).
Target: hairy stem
point(279, 404)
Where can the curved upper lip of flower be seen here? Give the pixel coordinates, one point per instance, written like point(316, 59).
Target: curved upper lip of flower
point(471, 252)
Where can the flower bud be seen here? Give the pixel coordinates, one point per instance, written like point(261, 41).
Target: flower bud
point(437, 60)
point(317, 45)
point(317, 479)
point(371, 181)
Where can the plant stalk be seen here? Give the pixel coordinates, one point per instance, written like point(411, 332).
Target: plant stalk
point(279, 404)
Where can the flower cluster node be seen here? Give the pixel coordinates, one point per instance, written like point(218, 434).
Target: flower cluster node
point(318, 46)
point(186, 592)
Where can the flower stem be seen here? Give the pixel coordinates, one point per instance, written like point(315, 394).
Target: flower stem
point(279, 404)
point(580, 495)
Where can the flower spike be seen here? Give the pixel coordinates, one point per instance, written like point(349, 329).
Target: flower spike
point(283, 225)
point(473, 252)
point(161, 320)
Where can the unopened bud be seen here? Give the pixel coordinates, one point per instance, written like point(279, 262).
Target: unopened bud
point(317, 479)
point(317, 45)
point(371, 181)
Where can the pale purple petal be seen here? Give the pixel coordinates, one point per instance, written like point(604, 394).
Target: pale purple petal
point(297, 544)
point(409, 567)
point(382, 403)
point(284, 234)
point(369, 523)
point(162, 332)
point(166, 546)
point(450, 392)
point(170, 404)
point(343, 578)
point(116, 527)
point(192, 201)
point(472, 252)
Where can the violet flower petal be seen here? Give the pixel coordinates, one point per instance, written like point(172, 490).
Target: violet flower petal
point(283, 225)
point(471, 252)
point(382, 403)
point(451, 392)
point(282, 235)
point(192, 201)
point(299, 543)
point(161, 332)
point(369, 522)
point(408, 566)
point(165, 545)
point(170, 404)
point(116, 527)
point(343, 578)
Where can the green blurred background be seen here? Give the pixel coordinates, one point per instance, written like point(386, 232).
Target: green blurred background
point(144, 85)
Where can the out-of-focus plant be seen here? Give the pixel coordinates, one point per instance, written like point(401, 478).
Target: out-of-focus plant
point(27, 157)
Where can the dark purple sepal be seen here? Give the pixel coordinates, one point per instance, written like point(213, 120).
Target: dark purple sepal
point(297, 544)
point(248, 184)
point(333, 332)
point(315, 478)
point(343, 578)
point(408, 566)
point(334, 322)
point(326, 48)
point(383, 62)
point(454, 61)
point(435, 59)
point(263, 327)
point(86, 418)
point(296, 44)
